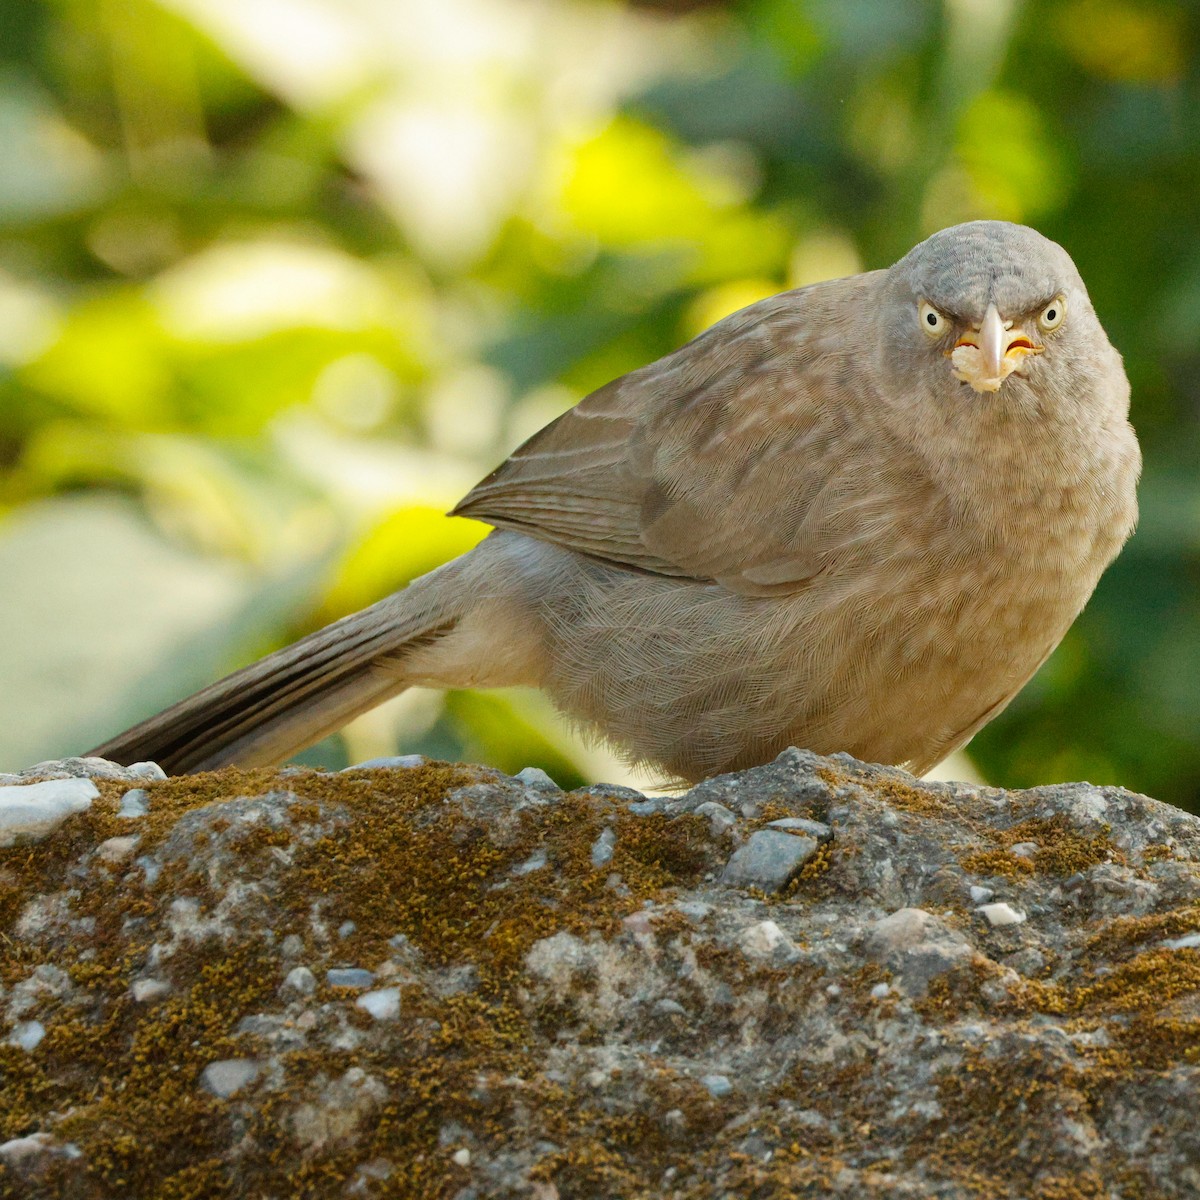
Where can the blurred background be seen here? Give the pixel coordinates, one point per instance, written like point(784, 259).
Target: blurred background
point(281, 279)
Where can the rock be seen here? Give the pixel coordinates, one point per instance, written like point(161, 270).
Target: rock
point(603, 847)
point(419, 981)
point(535, 862)
point(401, 761)
point(817, 829)
point(1001, 914)
point(146, 991)
point(1189, 942)
point(149, 771)
point(299, 980)
point(349, 977)
point(93, 768)
point(383, 1004)
point(27, 1035)
point(134, 803)
point(719, 817)
point(768, 860)
point(763, 940)
point(535, 777)
point(228, 1076)
point(32, 811)
point(918, 946)
point(117, 850)
point(31, 1156)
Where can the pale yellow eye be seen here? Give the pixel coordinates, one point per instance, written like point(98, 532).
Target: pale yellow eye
point(931, 320)
point(1051, 317)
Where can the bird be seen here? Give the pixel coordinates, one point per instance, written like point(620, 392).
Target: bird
point(853, 517)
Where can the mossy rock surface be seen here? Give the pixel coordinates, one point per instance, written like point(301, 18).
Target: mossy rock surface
point(548, 994)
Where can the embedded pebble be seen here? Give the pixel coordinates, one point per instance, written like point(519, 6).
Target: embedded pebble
point(603, 847)
point(146, 990)
point(880, 990)
point(383, 1004)
point(1189, 941)
point(980, 894)
point(349, 977)
point(134, 803)
point(228, 1076)
point(150, 771)
point(391, 760)
point(717, 1085)
point(32, 811)
point(23, 1153)
point(647, 808)
point(151, 869)
point(116, 850)
point(719, 817)
point(346, 928)
point(762, 939)
point(462, 1157)
point(1024, 849)
point(535, 862)
point(817, 829)
point(1001, 914)
point(535, 777)
point(901, 930)
point(27, 1035)
point(768, 860)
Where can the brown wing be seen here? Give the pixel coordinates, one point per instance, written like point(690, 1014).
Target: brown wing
point(671, 468)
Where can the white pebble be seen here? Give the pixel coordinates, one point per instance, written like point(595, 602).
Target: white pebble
point(981, 895)
point(146, 770)
point(880, 990)
point(134, 803)
point(535, 862)
point(761, 940)
point(717, 1085)
point(603, 847)
point(383, 1003)
point(228, 1076)
point(27, 1035)
point(146, 990)
point(535, 777)
point(300, 980)
point(117, 850)
point(31, 811)
point(1189, 941)
point(390, 761)
point(463, 1157)
point(1001, 914)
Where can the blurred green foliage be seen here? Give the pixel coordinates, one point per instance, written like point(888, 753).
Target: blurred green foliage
point(279, 282)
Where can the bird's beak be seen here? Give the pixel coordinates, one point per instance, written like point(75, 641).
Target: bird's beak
point(986, 355)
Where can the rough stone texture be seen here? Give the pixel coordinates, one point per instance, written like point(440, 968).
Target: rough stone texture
point(31, 811)
point(425, 981)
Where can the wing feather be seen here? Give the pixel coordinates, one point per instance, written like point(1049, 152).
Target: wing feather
point(670, 468)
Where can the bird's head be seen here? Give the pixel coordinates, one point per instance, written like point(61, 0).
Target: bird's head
point(988, 300)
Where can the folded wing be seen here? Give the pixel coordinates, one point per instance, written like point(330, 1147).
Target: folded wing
point(671, 469)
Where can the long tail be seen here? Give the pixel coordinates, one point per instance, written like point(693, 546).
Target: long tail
point(277, 706)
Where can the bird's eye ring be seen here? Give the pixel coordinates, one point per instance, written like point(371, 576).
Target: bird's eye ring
point(1051, 317)
point(931, 320)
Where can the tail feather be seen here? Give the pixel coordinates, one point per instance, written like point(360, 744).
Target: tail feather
point(270, 709)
